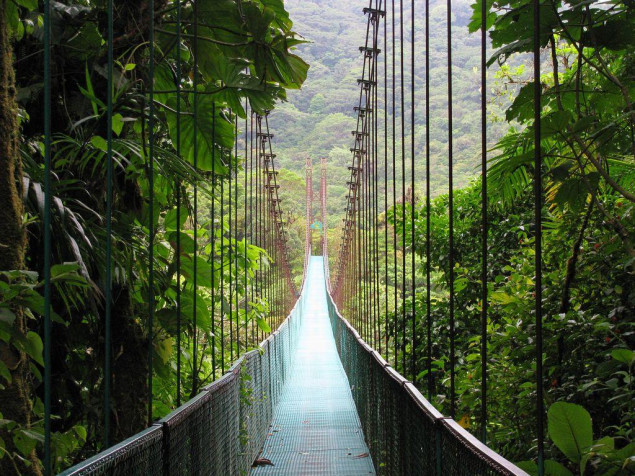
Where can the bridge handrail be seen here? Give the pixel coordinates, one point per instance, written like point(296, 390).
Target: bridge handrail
point(399, 445)
point(222, 429)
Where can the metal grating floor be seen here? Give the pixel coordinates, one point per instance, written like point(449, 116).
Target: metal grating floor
point(315, 428)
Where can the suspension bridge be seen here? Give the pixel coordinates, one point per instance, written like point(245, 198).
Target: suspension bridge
point(284, 376)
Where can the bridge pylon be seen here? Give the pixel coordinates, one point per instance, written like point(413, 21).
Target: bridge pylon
point(323, 219)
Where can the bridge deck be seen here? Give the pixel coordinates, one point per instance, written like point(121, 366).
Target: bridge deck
point(315, 428)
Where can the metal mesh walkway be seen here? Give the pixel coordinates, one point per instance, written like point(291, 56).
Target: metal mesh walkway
point(315, 428)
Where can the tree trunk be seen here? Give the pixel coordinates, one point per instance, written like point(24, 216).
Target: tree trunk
point(15, 401)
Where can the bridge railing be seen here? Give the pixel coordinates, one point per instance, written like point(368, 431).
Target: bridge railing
point(218, 432)
point(404, 432)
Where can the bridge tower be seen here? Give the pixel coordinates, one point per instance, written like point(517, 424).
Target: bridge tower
point(309, 206)
point(323, 217)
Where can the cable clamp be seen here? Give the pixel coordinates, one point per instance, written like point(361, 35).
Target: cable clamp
point(374, 11)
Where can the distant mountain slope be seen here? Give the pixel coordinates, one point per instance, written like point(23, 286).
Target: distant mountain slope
point(317, 120)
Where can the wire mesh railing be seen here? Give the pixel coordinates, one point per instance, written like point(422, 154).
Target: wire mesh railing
point(383, 278)
point(218, 432)
point(159, 242)
point(404, 432)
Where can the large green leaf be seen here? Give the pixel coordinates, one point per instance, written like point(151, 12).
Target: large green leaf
point(85, 43)
point(28, 4)
point(570, 429)
point(206, 136)
point(203, 319)
point(553, 468)
point(280, 14)
point(237, 84)
point(7, 316)
point(203, 135)
point(170, 222)
point(258, 21)
point(203, 271)
point(626, 356)
point(475, 23)
point(34, 347)
point(262, 324)
point(26, 440)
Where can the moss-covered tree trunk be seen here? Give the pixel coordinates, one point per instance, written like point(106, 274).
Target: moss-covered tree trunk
point(15, 401)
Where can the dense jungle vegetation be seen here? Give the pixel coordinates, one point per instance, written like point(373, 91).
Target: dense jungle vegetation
point(587, 122)
point(588, 143)
point(242, 55)
point(588, 126)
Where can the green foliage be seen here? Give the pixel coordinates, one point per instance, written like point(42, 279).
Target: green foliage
point(20, 292)
point(247, 398)
point(588, 297)
point(570, 429)
point(243, 56)
point(588, 357)
point(317, 121)
point(586, 117)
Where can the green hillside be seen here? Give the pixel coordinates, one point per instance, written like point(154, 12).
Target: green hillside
point(317, 120)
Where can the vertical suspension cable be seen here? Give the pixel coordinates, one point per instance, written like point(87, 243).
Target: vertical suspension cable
point(245, 208)
point(366, 194)
point(265, 222)
point(265, 225)
point(362, 228)
point(358, 227)
point(367, 227)
point(195, 218)
point(370, 146)
point(428, 249)
point(221, 292)
point(484, 224)
point(537, 90)
point(235, 234)
point(403, 190)
point(251, 209)
point(386, 297)
point(109, 179)
point(370, 152)
point(451, 212)
point(256, 219)
point(230, 253)
point(377, 340)
point(47, 238)
point(179, 79)
point(373, 179)
point(259, 275)
point(151, 230)
point(394, 186)
point(412, 187)
point(268, 241)
point(269, 245)
point(213, 244)
point(261, 218)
